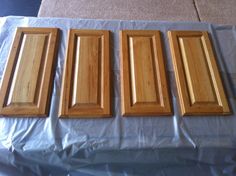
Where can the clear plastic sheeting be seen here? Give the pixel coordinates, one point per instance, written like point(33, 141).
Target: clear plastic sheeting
point(162, 146)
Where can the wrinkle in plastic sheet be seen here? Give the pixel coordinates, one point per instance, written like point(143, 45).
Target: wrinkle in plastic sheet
point(121, 146)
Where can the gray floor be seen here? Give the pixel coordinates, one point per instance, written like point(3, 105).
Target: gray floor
point(212, 11)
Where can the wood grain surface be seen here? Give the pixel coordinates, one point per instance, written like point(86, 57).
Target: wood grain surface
point(86, 78)
point(28, 76)
point(144, 89)
point(198, 80)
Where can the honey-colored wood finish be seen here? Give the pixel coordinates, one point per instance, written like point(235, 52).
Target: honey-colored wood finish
point(198, 80)
point(86, 78)
point(144, 89)
point(28, 76)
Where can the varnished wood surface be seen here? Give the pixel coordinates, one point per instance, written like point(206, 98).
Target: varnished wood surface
point(87, 81)
point(144, 89)
point(28, 77)
point(198, 80)
point(86, 78)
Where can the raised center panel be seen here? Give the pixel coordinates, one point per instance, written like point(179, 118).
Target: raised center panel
point(87, 68)
point(196, 70)
point(143, 72)
point(27, 78)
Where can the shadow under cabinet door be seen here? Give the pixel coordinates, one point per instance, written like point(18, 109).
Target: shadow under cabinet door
point(28, 76)
point(144, 89)
point(198, 80)
point(86, 78)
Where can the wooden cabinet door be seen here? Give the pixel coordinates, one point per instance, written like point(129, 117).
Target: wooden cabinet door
point(28, 77)
point(144, 89)
point(86, 79)
point(198, 80)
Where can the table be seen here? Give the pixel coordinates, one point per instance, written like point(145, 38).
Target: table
point(122, 146)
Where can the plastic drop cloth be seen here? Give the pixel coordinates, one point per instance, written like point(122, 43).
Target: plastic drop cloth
point(159, 146)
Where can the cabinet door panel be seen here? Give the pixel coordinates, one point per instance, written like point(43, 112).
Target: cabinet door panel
point(86, 80)
point(27, 80)
point(144, 88)
point(198, 80)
